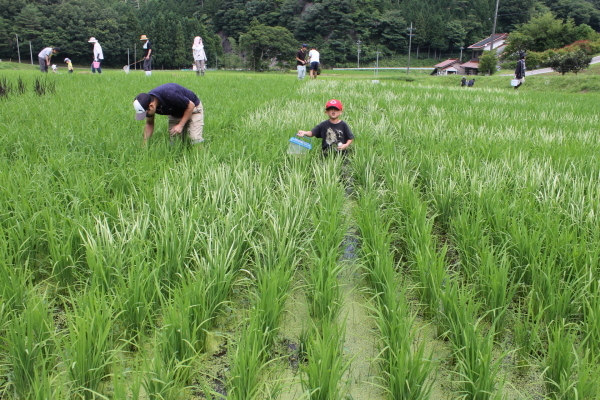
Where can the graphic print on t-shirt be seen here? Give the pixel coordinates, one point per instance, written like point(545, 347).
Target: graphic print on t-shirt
point(331, 138)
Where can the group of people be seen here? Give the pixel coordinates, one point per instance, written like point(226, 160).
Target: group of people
point(98, 56)
point(467, 83)
point(186, 114)
point(313, 61)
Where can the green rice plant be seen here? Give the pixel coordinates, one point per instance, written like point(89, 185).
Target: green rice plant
point(30, 346)
point(65, 247)
point(136, 297)
point(478, 366)
point(15, 286)
point(160, 380)
point(591, 319)
point(208, 289)
point(88, 346)
point(561, 362)
point(407, 370)
point(527, 332)
point(322, 376)
point(249, 364)
point(105, 255)
point(323, 292)
point(494, 281)
point(177, 338)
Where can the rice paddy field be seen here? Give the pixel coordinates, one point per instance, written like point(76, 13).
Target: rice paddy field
point(453, 254)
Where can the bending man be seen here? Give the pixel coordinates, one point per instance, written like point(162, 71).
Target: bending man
point(182, 106)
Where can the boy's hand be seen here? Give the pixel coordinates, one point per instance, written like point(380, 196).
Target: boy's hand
point(303, 133)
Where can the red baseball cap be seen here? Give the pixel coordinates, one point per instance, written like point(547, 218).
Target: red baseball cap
point(335, 104)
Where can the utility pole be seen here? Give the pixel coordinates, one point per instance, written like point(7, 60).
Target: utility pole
point(135, 53)
point(30, 52)
point(377, 64)
point(494, 27)
point(358, 42)
point(461, 49)
point(410, 35)
point(18, 50)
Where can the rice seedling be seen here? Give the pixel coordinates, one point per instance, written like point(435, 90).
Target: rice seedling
point(5, 87)
point(30, 347)
point(407, 370)
point(322, 377)
point(561, 362)
point(136, 297)
point(160, 381)
point(177, 337)
point(88, 347)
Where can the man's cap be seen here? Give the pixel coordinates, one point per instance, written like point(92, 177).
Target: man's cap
point(140, 104)
point(93, 40)
point(335, 104)
point(522, 55)
point(56, 49)
point(144, 37)
point(304, 45)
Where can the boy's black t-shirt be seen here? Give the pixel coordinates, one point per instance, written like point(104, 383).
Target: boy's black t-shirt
point(301, 54)
point(332, 134)
point(148, 48)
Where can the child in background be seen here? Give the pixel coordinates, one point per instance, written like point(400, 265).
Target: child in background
point(54, 68)
point(69, 65)
point(336, 134)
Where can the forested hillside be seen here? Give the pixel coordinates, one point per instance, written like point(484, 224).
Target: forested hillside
point(236, 29)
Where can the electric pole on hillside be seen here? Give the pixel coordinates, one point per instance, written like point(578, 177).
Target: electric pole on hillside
point(410, 35)
point(358, 42)
point(494, 29)
point(18, 50)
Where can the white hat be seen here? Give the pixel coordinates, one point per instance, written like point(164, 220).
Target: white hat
point(93, 40)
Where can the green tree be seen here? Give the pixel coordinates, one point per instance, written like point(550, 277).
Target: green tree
point(488, 62)
point(546, 32)
point(264, 43)
point(570, 61)
point(29, 22)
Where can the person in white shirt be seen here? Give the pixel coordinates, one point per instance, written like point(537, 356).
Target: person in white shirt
point(44, 57)
point(98, 55)
point(199, 55)
point(313, 57)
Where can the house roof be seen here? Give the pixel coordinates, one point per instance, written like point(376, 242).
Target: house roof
point(470, 64)
point(485, 42)
point(446, 63)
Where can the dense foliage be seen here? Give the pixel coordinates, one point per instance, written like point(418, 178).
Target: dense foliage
point(335, 27)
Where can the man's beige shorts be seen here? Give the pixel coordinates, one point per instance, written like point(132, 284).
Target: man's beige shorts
point(194, 126)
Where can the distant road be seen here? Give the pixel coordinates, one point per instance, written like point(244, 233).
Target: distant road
point(595, 60)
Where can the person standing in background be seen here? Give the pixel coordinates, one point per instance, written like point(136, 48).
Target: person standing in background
point(98, 56)
point(313, 58)
point(301, 62)
point(520, 70)
point(199, 55)
point(69, 65)
point(44, 57)
point(147, 55)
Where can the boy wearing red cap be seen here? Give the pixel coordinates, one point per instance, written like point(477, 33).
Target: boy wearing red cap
point(336, 134)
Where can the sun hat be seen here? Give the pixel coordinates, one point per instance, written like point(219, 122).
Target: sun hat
point(335, 104)
point(144, 37)
point(93, 40)
point(67, 59)
point(140, 104)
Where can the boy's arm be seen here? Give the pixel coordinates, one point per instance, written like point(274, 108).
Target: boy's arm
point(346, 145)
point(305, 133)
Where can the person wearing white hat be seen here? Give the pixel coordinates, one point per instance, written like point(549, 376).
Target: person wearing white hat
point(147, 55)
point(199, 55)
point(98, 55)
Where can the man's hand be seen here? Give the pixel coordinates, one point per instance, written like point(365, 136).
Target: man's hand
point(176, 130)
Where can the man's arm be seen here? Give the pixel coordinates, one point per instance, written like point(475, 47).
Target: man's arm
point(184, 119)
point(149, 128)
point(149, 52)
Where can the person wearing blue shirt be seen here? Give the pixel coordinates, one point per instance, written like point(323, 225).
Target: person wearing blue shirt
point(182, 106)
